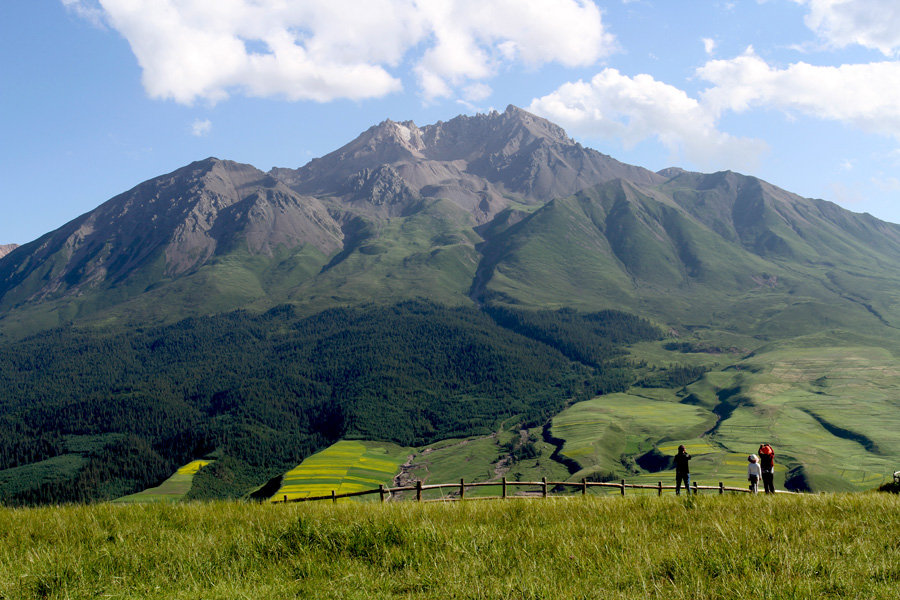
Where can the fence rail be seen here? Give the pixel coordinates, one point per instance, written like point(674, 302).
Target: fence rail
point(545, 487)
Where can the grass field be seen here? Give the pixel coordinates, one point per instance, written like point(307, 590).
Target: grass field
point(345, 467)
point(475, 460)
point(172, 489)
point(705, 548)
point(598, 433)
point(831, 412)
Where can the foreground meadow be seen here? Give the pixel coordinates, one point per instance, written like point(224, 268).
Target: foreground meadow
point(815, 546)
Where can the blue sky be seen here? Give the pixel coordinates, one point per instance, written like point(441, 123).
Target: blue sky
point(99, 95)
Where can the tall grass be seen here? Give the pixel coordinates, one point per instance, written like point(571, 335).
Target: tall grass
point(835, 546)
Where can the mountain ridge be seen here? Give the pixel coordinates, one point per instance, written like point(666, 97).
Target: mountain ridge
point(484, 208)
point(477, 162)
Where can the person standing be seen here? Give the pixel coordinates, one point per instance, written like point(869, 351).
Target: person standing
point(754, 472)
point(682, 470)
point(767, 464)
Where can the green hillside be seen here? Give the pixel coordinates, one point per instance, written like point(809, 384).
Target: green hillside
point(636, 248)
point(261, 392)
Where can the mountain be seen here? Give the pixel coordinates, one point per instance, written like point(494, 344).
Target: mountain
point(721, 250)
point(166, 233)
point(422, 283)
point(391, 214)
point(482, 164)
point(7, 248)
point(498, 208)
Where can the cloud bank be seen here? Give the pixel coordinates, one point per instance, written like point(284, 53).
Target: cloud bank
point(632, 109)
point(872, 24)
point(614, 106)
point(866, 96)
point(324, 50)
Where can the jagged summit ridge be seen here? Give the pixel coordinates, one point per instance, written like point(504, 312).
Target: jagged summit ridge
point(479, 162)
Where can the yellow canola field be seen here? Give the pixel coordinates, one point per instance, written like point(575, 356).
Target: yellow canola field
point(345, 467)
point(192, 467)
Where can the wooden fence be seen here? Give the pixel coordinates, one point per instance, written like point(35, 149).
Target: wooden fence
point(543, 486)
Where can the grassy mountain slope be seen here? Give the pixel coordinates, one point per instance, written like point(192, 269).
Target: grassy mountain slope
point(619, 245)
point(429, 253)
point(826, 402)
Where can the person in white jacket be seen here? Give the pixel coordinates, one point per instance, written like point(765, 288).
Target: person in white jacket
point(754, 473)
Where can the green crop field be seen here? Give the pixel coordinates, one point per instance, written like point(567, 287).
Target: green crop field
point(478, 460)
point(599, 432)
point(806, 400)
point(703, 548)
point(172, 489)
point(345, 467)
point(835, 412)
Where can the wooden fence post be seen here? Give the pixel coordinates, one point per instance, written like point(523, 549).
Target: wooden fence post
point(285, 497)
point(721, 488)
point(504, 488)
point(333, 499)
point(543, 487)
point(462, 489)
point(695, 488)
point(418, 490)
point(623, 487)
point(583, 486)
point(659, 488)
point(381, 492)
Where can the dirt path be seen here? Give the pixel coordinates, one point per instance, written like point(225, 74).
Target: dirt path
point(502, 467)
point(419, 461)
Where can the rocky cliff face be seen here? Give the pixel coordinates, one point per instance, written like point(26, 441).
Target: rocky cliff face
point(7, 248)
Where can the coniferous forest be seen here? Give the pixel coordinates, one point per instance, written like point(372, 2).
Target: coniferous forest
point(260, 392)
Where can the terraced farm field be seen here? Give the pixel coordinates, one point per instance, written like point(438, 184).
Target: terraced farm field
point(832, 414)
point(172, 489)
point(345, 467)
point(599, 431)
point(835, 412)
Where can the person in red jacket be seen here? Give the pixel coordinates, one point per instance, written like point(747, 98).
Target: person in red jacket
point(767, 463)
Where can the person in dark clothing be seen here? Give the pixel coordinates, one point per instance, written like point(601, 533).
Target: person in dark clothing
point(682, 470)
point(767, 463)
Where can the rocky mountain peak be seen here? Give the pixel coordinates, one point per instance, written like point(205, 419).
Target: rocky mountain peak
point(7, 248)
point(478, 162)
point(671, 172)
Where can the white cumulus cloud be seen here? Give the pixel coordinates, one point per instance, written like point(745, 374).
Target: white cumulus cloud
point(870, 23)
point(866, 96)
point(327, 49)
point(613, 105)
